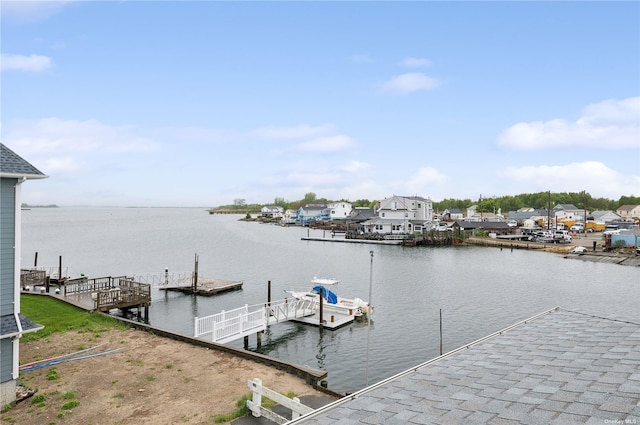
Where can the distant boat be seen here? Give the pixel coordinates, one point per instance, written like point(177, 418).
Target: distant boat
point(355, 306)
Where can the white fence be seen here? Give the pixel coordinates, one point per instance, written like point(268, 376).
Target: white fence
point(255, 404)
point(230, 325)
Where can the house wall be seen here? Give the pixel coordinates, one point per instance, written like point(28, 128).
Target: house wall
point(7, 244)
point(6, 369)
point(7, 285)
point(635, 212)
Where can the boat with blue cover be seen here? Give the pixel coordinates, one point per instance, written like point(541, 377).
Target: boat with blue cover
point(331, 300)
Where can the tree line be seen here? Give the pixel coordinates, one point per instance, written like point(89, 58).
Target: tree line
point(539, 200)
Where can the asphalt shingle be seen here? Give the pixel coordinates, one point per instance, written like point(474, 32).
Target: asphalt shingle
point(559, 367)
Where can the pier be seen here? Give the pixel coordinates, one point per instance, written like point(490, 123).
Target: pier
point(101, 294)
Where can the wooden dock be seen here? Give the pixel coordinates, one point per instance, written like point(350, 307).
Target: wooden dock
point(101, 294)
point(204, 286)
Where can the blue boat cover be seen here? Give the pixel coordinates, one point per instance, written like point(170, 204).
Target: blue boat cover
point(326, 294)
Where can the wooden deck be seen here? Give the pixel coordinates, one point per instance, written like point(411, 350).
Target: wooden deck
point(205, 286)
point(102, 294)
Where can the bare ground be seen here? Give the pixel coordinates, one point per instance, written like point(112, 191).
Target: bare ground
point(155, 380)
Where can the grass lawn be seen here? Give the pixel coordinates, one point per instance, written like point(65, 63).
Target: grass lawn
point(57, 316)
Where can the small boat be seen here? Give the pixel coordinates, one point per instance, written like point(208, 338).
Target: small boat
point(356, 306)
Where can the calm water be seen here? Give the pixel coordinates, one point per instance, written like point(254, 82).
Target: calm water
point(480, 290)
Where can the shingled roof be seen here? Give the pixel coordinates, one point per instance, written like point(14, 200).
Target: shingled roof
point(13, 165)
point(560, 367)
point(9, 326)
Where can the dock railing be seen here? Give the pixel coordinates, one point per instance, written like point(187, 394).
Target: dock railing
point(32, 278)
point(230, 325)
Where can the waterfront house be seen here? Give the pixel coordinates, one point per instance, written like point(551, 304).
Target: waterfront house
point(272, 211)
point(400, 215)
point(312, 212)
point(14, 171)
point(629, 211)
point(339, 210)
point(289, 217)
point(497, 227)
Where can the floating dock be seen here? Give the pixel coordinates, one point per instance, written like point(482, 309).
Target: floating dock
point(330, 319)
point(204, 286)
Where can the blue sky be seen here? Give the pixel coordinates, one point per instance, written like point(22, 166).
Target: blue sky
point(199, 103)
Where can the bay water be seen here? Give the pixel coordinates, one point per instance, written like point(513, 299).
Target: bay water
point(479, 290)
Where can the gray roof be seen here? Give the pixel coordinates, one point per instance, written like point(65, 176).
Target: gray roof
point(491, 225)
point(560, 367)
point(12, 165)
point(9, 326)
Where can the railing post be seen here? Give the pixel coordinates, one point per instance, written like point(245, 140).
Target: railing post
point(257, 397)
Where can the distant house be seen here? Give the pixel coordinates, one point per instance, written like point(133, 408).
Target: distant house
point(13, 172)
point(497, 227)
point(289, 217)
point(629, 211)
point(568, 212)
point(526, 213)
point(339, 210)
point(603, 216)
point(312, 212)
point(453, 214)
point(400, 215)
point(272, 211)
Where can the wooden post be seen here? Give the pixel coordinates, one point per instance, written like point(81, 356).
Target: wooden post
point(321, 300)
point(195, 274)
point(60, 270)
point(35, 261)
point(440, 331)
point(259, 339)
point(269, 293)
point(246, 342)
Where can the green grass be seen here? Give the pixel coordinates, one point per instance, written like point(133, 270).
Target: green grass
point(243, 410)
point(57, 316)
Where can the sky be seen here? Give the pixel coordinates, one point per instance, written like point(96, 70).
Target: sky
point(202, 103)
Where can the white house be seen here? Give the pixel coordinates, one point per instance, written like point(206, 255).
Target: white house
point(14, 171)
point(604, 216)
point(339, 210)
point(400, 214)
point(272, 211)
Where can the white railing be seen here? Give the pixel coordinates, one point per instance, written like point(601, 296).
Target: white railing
point(257, 410)
point(162, 279)
point(230, 325)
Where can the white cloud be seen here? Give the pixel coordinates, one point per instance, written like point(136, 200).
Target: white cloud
point(55, 136)
point(408, 83)
point(612, 124)
point(423, 182)
point(416, 62)
point(302, 131)
point(593, 176)
point(330, 144)
point(32, 11)
point(33, 63)
point(361, 59)
point(356, 167)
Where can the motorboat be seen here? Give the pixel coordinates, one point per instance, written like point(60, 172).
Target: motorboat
point(355, 306)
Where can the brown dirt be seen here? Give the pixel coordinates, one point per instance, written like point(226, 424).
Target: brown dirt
point(155, 380)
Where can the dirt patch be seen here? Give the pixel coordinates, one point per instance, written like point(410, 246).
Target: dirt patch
point(154, 380)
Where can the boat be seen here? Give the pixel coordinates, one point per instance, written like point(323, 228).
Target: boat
point(355, 306)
